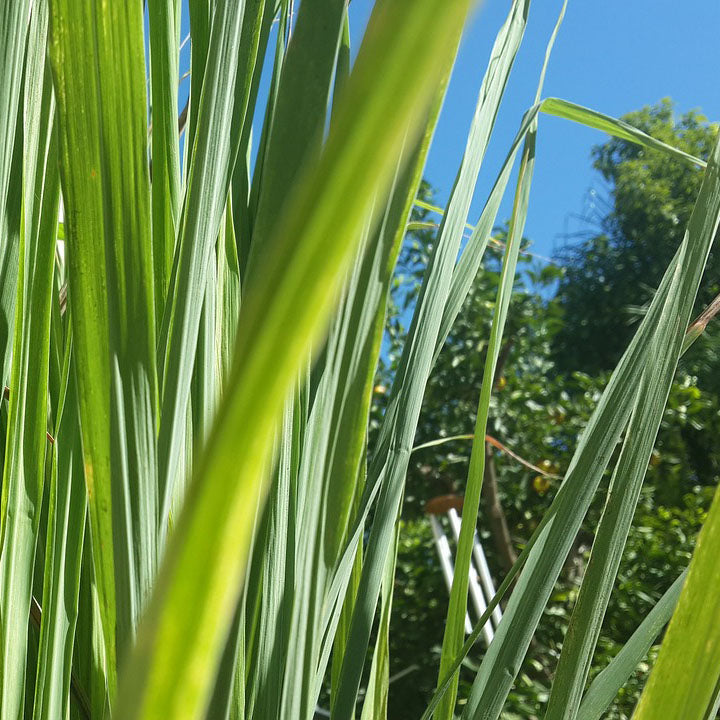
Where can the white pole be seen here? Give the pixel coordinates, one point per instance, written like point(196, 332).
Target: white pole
point(475, 591)
point(446, 562)
point(485, 578)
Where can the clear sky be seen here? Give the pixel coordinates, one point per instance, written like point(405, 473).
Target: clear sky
point(611, 55)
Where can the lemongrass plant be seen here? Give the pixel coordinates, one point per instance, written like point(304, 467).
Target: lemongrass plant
point(193, 524)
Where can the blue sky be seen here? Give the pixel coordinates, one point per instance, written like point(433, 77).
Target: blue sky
point(611, 55)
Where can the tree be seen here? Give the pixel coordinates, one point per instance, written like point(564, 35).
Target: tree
point(611, 276)
point(538, 411)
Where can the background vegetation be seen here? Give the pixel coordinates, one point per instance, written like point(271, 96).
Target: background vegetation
point(571, 320)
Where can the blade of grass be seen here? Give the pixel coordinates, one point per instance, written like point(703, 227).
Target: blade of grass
point(457, 610)
point(24, 469)
point(684, 680)
point(14, 18)
point(63, 558)
point(104, 172)
point(270, 603)
point(253, 44)
point(454, 629)
point(228, 297)
point(387, 470)
point(605, 687)
point(299, 112)
point(340, 631)
point(335, 444)
point(292, 143)
point(375, 702)
point(200, 15)
point(204, 387)
point(212, 156)
point(624, 658)
point(469, 263)
point(611, 535)
point(348, 450)
point(285, 307)
point(9, 261)
point(164, 33)
point(281, 16)
point(612, 126)
point(586, 620)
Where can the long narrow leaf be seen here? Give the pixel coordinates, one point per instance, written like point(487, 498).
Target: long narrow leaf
point(212, 157)
point(454, 628)
point(24, 472)
point(66, 530)
point(164, 30)
point(286, 305)
point(97, 53)
point(390, 460)
point(605, 687)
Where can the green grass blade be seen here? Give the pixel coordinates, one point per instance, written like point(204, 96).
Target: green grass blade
point(253, 44)
point(269, 605)
point(586, 621)
point(228, 296)
point(335, 445)
point(89, 662)
point(200, 16)
point(598, 580)
point(63, 558)
point(103, 139)
point(164, 31)
point(624, 659)
point(454, 628)
point(213, 152)
point(14, 17)
point(390, 462)
point(204, 387)
point(280, 17)
point(295, 133)
point(9, 260)
point(224, 703)
point(605, 687)
point(611, 535)
point(684, 678)
point(24, 471)
point(299, 111)
point(612, 126)
point(375, 703)
point(339, 631)
point(348, 444)
point(284, 309)
point(469, 263)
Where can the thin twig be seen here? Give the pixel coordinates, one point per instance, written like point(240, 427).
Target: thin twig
point(495, 443)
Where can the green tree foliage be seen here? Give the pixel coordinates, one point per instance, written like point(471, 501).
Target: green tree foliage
point(611, 276)
point(538, 410)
